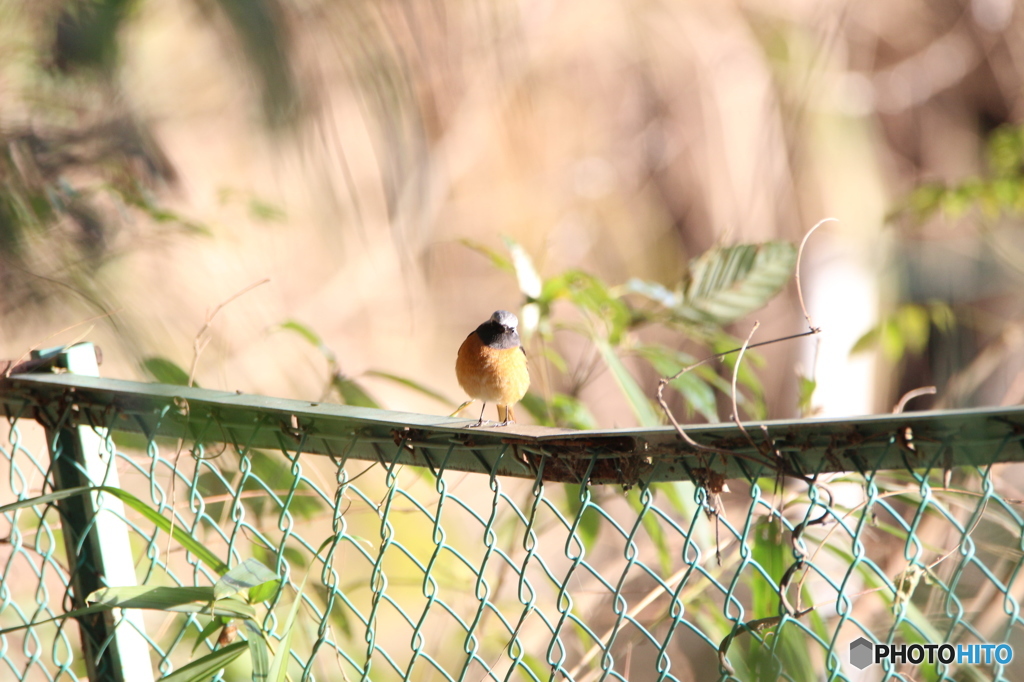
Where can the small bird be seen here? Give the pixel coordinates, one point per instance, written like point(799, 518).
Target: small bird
point(491, 365)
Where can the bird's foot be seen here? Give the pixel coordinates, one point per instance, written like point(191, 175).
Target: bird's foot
point(478, 424)
point(507, 422)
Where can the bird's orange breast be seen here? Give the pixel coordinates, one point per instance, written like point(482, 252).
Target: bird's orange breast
point(492, 375)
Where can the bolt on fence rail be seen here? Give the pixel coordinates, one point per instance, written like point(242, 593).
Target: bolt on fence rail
point(418, 549)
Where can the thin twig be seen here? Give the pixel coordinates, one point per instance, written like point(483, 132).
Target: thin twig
point(197, 349)
point(664, 381)
point(734, 391)
point(198, 344)
point(799, 258)
point(910, 395)
point(812, 330)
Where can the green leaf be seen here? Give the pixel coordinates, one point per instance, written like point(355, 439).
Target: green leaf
point(571, 412)
point(259, 652)
point(351, 393)
point(805, 400)
point(179, 534)
point(914, 324)
point(770, 552)
point(497, 260)
point(638, 401)
point(590, 295)
point(206, 667)
point(957, 200)
point(917, 627)
point(909, 327)
point(554, 288)
point(96, 608)
point(1005, 151)
point(210, 628)
point(655, 292)
point(538, 408)
point(165, 371)
point(304, 331)
point(698, 393)
point(264, 468)
point(311, 337)
point(409, 383)
point(266, 211)
point(891, 340)
point(680, 495)
point(867, 341)
point(942, 315)
point(279, 666)
point(143, 201)
point(561, 410)
point(249, 573)
point(158, 597)
point(264, 592)
point(727, 283)
point(925, 200)
point(191, 544)
point(555, 358)
point(178, 599)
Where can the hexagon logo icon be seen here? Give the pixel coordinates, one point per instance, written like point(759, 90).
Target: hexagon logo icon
point(861, 653)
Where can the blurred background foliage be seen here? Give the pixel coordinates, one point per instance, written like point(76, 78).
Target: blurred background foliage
point(609, 171)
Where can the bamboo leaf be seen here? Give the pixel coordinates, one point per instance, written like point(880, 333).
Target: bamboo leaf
point(208, 630)
point(179, 599)
point(249, 573)
point(259, 652)
point(497, 260)
point(180, 536)
point(95, 608)
point(727, 283)
point(352, 393)
point(654, 291)
point(263, 592)
point(206, 667)
point(304, 331)
point(638, 400)
point(279, 667)
point(699, 394)
point(409, 383)
point(165, 371)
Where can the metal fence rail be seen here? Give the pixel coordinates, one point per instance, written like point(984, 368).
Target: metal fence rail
point(428, 551)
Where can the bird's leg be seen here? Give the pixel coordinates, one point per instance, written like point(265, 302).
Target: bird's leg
point(480, 422)
point(509, 418)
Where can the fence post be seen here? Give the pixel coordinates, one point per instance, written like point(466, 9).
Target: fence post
point(96, 538)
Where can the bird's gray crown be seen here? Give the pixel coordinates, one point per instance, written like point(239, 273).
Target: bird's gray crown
point(505, 319)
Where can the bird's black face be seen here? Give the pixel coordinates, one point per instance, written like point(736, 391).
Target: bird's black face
point(500, 331)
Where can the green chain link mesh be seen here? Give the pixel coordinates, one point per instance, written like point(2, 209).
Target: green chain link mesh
point(435, 574)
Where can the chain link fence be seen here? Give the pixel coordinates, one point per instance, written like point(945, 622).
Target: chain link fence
point(421, 550)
